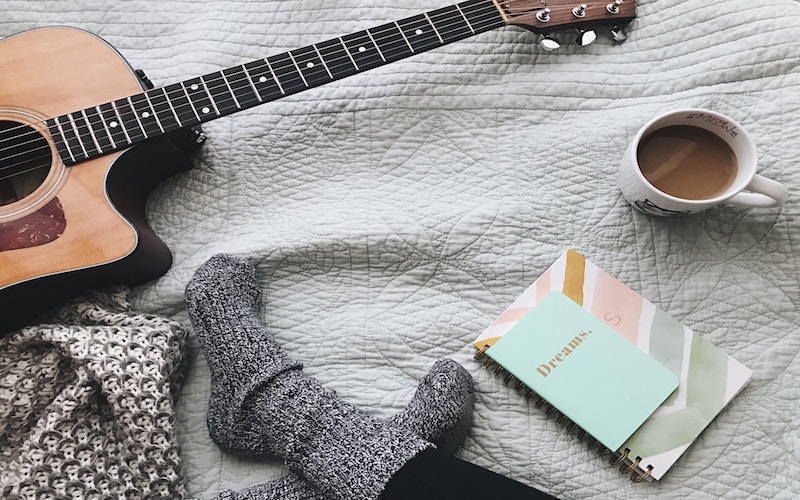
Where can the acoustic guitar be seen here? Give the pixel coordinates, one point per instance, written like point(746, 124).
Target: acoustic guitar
point(84, 142)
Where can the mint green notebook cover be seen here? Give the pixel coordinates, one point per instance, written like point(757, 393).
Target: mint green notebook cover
point(583, 368)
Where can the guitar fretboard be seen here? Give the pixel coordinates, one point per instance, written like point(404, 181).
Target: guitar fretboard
point(112, 126)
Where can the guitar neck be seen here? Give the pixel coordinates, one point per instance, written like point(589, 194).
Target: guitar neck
point(92, 132)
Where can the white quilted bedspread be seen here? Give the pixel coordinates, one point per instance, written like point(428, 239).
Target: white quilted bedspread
point(394, 214)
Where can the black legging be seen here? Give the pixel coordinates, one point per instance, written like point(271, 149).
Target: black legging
point(433, 474)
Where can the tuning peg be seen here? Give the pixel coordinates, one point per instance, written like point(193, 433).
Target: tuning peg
point(613, 7)
point(586, 37)
point(579, 11)
point(549, 43)
point(543, 15)
point(618, 34)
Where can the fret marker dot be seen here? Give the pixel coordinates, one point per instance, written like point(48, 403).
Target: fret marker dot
point(262, 79)
point(145, 115)
point(310, 65)
point(418, 32)
point(194, 87)
point(206, 110)
point(113, 124)
point(362, 49)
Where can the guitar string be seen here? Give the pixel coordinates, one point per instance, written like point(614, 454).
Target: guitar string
point(345, 58)
point(492, 9)
point(480, 15)
point(83, 130)
point(189, 107)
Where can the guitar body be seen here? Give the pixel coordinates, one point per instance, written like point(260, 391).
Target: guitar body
point(83, 226)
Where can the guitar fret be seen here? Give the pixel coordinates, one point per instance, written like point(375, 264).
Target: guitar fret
point(392, 42)
point(111, 118)
point(136, 116)
point(419, 32)
point(77, 134)
point(469, 24)
point(338, 60)
point(275, 77)
point(404, 37)
point(222, 100)
point(155, 113)
point(323, 62)
point(162, 106)
point(91, 132)
point(145, 116)
point(287, 73)
point(452, 24)
point(311, 66)
point(127, 118)
point(83, 132)
point(372, 39)
point(349, 54)
point(241, 87)
point(302, 77)
point(182, 106)
point(230, 89)
point(201, 99)
point(263, 79)
point(191, 104)
point(120, 123)
point(475, 10)
point(434, 28)
point(252, 84)
point(105, 127)
point(58, 137)
point(210, 97)
point(362, 50)
point(95, 118)
point(65, 137)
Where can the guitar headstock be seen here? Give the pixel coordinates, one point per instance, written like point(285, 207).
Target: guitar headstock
point(546, 17)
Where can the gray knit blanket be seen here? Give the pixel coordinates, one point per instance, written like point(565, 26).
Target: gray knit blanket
point(86, 404)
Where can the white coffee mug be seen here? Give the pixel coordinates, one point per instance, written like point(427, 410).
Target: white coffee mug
point(747, 188)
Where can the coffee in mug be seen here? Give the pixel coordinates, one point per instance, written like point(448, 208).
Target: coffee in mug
point(689, 160)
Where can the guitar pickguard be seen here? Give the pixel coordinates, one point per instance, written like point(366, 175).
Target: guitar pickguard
point(39, 228)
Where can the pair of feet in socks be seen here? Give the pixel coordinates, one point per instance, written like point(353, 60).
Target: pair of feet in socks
point(261, 402)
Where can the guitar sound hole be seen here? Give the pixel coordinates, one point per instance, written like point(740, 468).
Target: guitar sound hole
point(25, 159)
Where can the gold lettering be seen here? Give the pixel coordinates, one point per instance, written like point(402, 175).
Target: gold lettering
point(545, 369)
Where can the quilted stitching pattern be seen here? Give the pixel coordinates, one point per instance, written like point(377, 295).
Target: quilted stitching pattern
point(394, 214)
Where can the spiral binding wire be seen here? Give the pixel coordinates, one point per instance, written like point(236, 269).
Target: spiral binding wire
point(618, 458)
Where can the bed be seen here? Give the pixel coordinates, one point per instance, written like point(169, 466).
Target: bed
point(392, 215)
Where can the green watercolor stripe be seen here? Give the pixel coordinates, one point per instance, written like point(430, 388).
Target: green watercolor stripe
point(705, 397)
point(666, 344)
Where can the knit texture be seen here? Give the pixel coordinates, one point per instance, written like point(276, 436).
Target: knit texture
point(289, 487)
point(440, 411)
point(86, 404)
point(257, 389)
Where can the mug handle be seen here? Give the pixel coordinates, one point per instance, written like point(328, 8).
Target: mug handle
point(764, 193)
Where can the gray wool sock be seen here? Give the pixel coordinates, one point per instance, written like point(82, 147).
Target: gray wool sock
point(440, 411)
point(342, 451)
point(289, 487)
point(223, 299)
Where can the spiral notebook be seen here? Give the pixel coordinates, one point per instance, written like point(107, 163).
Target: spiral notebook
point(572, 360)
point(708, 378)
